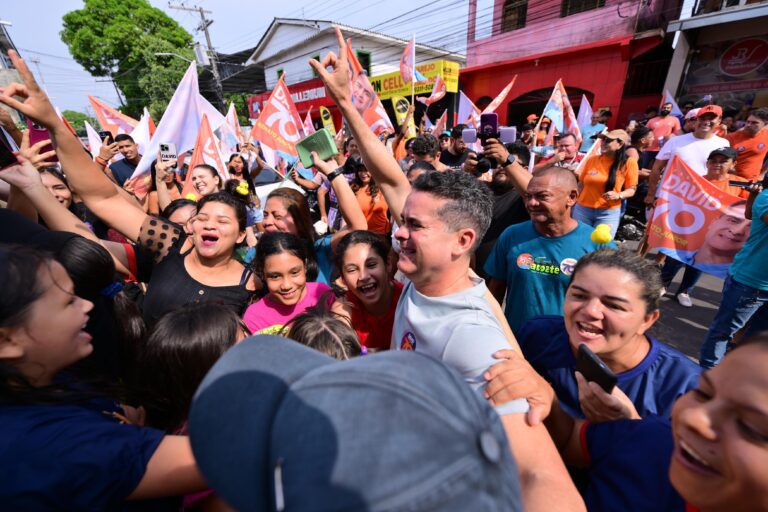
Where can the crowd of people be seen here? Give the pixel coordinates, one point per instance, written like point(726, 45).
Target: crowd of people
point(401, 331)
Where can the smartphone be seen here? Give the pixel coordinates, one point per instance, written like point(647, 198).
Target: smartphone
point(595, 370)
point(7, 147)
point(168, 152)
point(489, 126)
point(38, 133)
point(320, 142)
point(108, 135)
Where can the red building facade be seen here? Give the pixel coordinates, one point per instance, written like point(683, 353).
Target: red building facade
point(614, 53)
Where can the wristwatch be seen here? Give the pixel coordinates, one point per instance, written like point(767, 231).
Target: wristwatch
point(333, 174)
point(510, 160)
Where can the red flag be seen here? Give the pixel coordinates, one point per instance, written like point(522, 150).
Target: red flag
point(438, 92)
point(500, 98)
point(110, 119)
point(309, 128)
point(206, 152)
point(279, 125)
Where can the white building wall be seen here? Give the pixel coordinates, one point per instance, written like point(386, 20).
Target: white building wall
point(385, 56)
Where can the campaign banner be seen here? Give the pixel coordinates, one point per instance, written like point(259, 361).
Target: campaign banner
point(364, 98)
point(401, 105)
point(206, 151)
point(696, 222)
point(279, 125)
point(389, 84)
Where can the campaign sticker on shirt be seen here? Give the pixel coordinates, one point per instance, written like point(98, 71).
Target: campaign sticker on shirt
point(761, 146)
point(525, 260)
point(567, 266)
point(408, 342)
point(741, 149)
point(593, 173)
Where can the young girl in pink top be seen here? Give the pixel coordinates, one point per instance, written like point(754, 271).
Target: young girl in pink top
point(284, 267)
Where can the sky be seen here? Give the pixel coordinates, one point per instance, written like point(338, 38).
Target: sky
point(238, 24)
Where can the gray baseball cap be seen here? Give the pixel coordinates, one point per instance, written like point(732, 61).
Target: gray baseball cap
point(276, 425)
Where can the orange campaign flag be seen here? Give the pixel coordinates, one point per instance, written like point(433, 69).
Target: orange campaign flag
point(500, 98)
point(206, 152)
point(110, 119)
point(438, 92)
point(696, 222)
point(364, 98)
point(279, 124)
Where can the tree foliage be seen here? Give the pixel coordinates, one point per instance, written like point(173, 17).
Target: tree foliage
point(78, 119)
point(118, 39)
point(241, 105)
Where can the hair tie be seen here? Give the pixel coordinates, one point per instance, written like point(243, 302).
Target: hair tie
point(111, 290)
point(242, 188)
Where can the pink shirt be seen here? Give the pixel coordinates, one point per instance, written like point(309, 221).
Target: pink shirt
point(268, 317)
point(662, 127)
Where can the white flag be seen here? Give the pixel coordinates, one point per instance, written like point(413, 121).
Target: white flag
point(584, 116)
point(181, 121)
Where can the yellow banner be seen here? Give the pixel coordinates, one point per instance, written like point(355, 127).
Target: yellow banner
point(327, 118)
point(401, 106)
point(391, 84)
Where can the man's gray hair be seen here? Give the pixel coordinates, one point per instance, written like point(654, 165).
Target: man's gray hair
point(468, 202)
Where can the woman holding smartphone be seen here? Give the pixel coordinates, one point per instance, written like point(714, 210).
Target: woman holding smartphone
point(611, 302)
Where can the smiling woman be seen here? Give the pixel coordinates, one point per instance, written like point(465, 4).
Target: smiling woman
point(284, 265)
point(611, 302)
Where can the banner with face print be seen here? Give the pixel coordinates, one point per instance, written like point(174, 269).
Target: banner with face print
point(696, 222)
point(364, 98)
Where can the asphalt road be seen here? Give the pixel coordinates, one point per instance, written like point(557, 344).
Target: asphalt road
point(685, 328)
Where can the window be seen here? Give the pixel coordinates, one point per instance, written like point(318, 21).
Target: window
point(365, 60)
point(280, 73)
point(315, 73)
point(513, 15)
point(569, 7)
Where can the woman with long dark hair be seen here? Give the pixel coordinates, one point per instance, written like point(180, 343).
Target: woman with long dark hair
point(605, 180)
point(370, 198)
point(67, 444)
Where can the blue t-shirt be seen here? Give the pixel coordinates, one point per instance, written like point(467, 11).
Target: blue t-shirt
point(653, 385)
point(629, 466)
point(537, 269)
point(587, 131)
point(749, 265)
point(122, 170)
point(70, 457)
point(324, 258)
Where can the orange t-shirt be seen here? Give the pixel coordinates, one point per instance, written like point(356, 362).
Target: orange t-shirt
point(751, 151)
point(594, 175)
point(725, 187)
point(375, 212)
point(662, 127)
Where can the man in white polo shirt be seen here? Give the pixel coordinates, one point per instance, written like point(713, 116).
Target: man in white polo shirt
point(692, 148)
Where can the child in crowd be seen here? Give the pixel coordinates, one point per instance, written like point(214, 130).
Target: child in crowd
point(284, 266)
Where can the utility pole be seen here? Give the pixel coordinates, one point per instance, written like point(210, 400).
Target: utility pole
point(204, 24)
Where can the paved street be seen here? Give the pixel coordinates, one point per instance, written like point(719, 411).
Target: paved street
point(681, 327)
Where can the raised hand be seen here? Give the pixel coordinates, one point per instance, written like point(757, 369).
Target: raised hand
point(324, 167)
point(23, 175)
point(32, 154)
point(337, 80)
point(107, 151)
point(34, 103)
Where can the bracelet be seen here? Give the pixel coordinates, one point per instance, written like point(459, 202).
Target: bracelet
point(333, 174)
point(101, 161)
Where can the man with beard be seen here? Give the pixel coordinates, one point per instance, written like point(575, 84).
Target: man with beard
point(663, 126)
point(508, 206)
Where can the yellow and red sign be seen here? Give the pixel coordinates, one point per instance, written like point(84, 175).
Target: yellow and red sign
point(391, 84)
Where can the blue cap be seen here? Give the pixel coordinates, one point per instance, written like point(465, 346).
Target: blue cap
point(276, 425)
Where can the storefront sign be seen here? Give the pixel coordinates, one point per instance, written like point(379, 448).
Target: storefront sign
point(391, 84)
point(744, 57)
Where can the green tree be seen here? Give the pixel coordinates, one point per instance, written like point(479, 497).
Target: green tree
point(78, 119)
point(114, 38)
point(241, 105)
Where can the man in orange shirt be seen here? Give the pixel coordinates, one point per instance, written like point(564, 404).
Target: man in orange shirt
point(751, 143)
